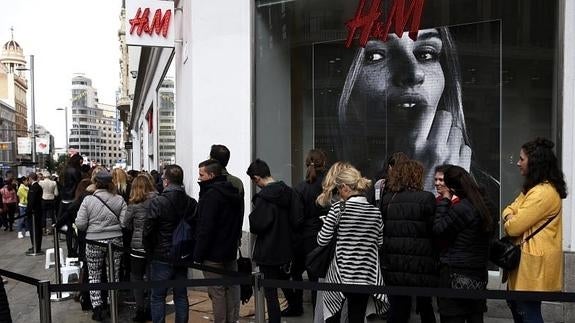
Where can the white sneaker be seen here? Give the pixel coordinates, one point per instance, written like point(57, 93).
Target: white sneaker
point(20, 235)
point(27, 233)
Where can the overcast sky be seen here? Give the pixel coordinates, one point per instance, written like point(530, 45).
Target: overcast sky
point(66, 37)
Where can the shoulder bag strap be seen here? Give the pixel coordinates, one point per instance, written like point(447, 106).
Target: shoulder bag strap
point(541, 227)
point(109, 208)
point(341, 211)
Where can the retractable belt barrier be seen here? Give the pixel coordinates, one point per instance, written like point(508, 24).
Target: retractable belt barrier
point(189, 264)
point(20, 277)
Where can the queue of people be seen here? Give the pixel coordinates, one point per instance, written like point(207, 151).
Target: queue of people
point(392, 233)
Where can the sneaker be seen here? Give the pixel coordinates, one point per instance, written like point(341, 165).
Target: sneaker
point(20, 235)
point(27, 233)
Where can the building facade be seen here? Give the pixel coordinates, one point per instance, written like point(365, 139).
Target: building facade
point(96, 131)
point(273, 79)
point(13, 113)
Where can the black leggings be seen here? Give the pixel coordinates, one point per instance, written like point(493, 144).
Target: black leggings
point(356, 306)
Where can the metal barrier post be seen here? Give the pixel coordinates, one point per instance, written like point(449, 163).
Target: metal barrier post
point(44, 301)
point(111, 278)
point(260, 313)
point(58, 296)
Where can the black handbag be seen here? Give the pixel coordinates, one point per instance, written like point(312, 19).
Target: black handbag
point(245, 267)
point(318, 260)
point(506, 254)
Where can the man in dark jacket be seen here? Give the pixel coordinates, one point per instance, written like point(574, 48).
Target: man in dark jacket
point(219, 227)
point(166, 210)
point(277, 213)
point(34, 214)
point(221, 153)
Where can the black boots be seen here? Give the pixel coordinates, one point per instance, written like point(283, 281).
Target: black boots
point(98, 314)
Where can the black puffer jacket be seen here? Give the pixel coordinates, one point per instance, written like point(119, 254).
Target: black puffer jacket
point(466, 243)
point(165, 213)
point(409, 256)
point(277, 213)
point(135, 218)
point(308, 193)
point(219, 221)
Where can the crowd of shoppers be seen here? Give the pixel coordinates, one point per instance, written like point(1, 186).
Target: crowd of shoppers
point(391, 233)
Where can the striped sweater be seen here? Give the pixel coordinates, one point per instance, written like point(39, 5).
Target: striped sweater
point(356, 261)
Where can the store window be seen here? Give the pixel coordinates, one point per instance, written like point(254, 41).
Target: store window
point(477, 82)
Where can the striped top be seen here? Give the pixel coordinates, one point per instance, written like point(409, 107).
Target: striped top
point(356, 261)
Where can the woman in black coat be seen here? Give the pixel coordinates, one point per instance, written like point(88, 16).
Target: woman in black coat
point(306, 237)
point(465, 225)
point(409, 256)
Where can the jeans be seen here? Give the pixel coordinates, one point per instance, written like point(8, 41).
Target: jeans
point(165, 271)
point(526, 312)
point(225, 299)
point(21, 222)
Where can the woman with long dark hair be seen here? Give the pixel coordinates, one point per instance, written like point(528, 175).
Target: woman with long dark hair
point(406, 94)
point(308, 191)
point(465, 226)
point(537, 206)
point(409, 257)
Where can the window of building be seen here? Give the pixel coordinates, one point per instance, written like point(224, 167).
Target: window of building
point(494, 69)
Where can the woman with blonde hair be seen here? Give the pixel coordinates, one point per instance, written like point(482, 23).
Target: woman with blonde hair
point(120, 180)
point(328, 186)
point(142, 192)
point(358, 228)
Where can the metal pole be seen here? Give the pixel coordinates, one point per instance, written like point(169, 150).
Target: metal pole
point(58, 296)
point(44, 301)
point(57, 261)
point(111, 278)
point(33, 112)
point(66, 116)
point(259, 299)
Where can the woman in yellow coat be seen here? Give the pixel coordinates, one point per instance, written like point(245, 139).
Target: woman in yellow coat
point(541, 266)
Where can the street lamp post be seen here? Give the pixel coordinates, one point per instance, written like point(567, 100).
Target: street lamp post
point(35, 251)
point(66, 125)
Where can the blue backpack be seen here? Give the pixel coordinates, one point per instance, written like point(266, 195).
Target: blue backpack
point(183, 241)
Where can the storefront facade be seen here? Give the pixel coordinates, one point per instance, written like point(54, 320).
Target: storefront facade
point(272, 79)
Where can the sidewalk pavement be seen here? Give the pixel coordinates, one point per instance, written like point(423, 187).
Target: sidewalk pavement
point(23, 298)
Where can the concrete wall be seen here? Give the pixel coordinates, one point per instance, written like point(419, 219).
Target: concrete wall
point(214, 86)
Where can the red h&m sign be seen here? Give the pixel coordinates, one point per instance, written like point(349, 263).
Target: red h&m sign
point(367, 23)
point(140, 23)
point(151, 23)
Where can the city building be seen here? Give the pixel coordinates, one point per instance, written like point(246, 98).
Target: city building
point(96, 131)
point(166, 123)
point(13, 111)
point(272, 79)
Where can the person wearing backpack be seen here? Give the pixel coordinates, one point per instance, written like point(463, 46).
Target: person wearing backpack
point(218, 232)
point(167, 231)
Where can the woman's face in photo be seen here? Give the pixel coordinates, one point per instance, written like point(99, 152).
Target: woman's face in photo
point(402, 81)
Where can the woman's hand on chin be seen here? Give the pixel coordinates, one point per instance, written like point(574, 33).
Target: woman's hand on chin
point(445, 144)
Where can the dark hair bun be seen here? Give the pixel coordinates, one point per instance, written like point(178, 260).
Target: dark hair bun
point(546, 143)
